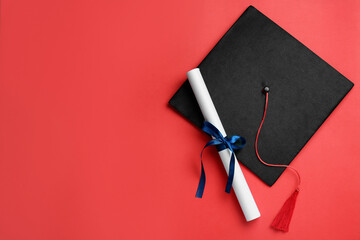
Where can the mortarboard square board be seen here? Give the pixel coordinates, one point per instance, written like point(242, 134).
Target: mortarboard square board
point(255, 52)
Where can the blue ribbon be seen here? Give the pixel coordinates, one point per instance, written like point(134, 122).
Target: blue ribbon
point(222, 143)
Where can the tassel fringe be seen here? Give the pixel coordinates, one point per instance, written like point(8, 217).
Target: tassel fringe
point(282, 220)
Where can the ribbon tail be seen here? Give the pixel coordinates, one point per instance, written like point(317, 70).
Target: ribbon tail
point(201, 186)
point(231, 173)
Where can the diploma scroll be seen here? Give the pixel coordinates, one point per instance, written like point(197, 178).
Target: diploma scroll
point(209, 112)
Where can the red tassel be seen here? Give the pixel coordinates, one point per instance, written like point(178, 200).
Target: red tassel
point(282, 220)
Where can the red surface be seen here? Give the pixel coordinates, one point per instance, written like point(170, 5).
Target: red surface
point(89, 148)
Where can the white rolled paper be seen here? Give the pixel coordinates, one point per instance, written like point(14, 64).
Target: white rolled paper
point(209, 112)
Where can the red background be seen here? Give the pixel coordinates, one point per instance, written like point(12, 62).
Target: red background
point(89, 148)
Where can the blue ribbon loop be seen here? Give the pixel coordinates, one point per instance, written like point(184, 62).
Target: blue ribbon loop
point(221, 143)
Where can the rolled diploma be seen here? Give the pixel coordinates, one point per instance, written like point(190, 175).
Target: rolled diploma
point(208, 110)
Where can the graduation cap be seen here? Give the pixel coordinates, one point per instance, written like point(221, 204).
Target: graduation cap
point(302, 90)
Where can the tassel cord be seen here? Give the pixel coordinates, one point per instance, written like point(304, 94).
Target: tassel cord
point(256, 146)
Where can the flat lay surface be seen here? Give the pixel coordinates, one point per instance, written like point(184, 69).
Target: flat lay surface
point(90, 149)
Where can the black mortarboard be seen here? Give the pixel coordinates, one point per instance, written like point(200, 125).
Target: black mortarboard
point(304, 90)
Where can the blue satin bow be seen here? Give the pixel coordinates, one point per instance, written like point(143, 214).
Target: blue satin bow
point(222, 143)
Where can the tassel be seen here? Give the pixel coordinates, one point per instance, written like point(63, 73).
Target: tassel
point(282, 220)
